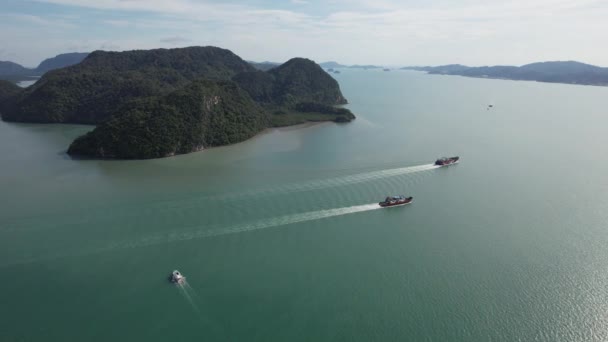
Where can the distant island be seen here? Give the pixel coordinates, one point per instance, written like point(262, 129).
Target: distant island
point(334, 65)
point(365, 67)
point(330, 66)
point(163, 102)
point(570, 72)
point(14, 72)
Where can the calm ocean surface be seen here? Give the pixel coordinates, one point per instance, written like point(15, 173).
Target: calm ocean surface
point(280, 240)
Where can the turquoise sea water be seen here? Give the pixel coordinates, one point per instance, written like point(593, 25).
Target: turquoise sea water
point(280, 240)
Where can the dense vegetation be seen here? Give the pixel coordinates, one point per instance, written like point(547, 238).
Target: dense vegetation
point(157, 103)
point(342, 114)
point(203, 114)
point(8, 92)
point(555, 72)
point(307, 112)
point(302, 80)
point(259, 84)
point(93, 90)
point(298, 80)
point(296, 92)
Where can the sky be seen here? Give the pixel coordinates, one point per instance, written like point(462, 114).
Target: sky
point(383, 32)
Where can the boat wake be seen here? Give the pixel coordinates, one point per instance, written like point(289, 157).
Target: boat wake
point(159, 239)
point(334, 181)
point(189, 294)
point(258, 225)
point(196, 233)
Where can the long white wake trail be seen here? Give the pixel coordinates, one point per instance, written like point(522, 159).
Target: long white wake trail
point(185, 290)
point(262, 224)
point(336, 181)
point(268, 223)
point(159, 239)
point(362, 177)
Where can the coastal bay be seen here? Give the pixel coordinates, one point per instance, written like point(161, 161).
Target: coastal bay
point(279, 239)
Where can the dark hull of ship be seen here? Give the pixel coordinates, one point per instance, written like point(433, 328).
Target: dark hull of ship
point(407, 201)
point(450, 161)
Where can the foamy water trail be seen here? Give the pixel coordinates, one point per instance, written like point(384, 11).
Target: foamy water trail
point(158, 239)
point(262, 224)
point(334, 182)
point(187, 292)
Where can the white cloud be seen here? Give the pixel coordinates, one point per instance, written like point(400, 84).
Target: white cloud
point(175, 40)
point(58, 22)
point(117, 23)
point(380, 31)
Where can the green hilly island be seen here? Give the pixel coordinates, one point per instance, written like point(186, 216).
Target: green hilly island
point(162, 102)
point(204, 113)
point(8, 92)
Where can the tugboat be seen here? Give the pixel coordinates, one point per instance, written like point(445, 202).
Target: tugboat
point(177, 278)
point(392, 201)
point(446, 161)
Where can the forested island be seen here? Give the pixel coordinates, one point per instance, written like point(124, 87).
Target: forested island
point(163, 102)
point(555, 72)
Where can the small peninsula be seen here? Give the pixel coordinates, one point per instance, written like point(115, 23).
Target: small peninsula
point(163, 102)
point(569, 72)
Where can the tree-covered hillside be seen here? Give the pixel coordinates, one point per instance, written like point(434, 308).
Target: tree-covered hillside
point(298, 80)
point(302, 80)
point(157, 103)
point(203, 114)
point(8, 92)
point(93, 90)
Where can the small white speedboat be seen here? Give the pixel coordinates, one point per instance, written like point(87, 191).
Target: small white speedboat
point(177, 277)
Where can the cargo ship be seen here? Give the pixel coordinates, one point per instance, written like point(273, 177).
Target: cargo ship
point(446, 161)
point(392, 201)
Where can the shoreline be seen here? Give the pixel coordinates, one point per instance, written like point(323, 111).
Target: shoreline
point(263, 132)
point(515, 79)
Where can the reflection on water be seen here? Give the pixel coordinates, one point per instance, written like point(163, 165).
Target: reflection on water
point(27, 83)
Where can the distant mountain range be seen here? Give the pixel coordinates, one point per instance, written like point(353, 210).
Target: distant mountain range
point(265, 66)
point(61, 61)
point(555, 72)
point(332, 65)
point(15, 72)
